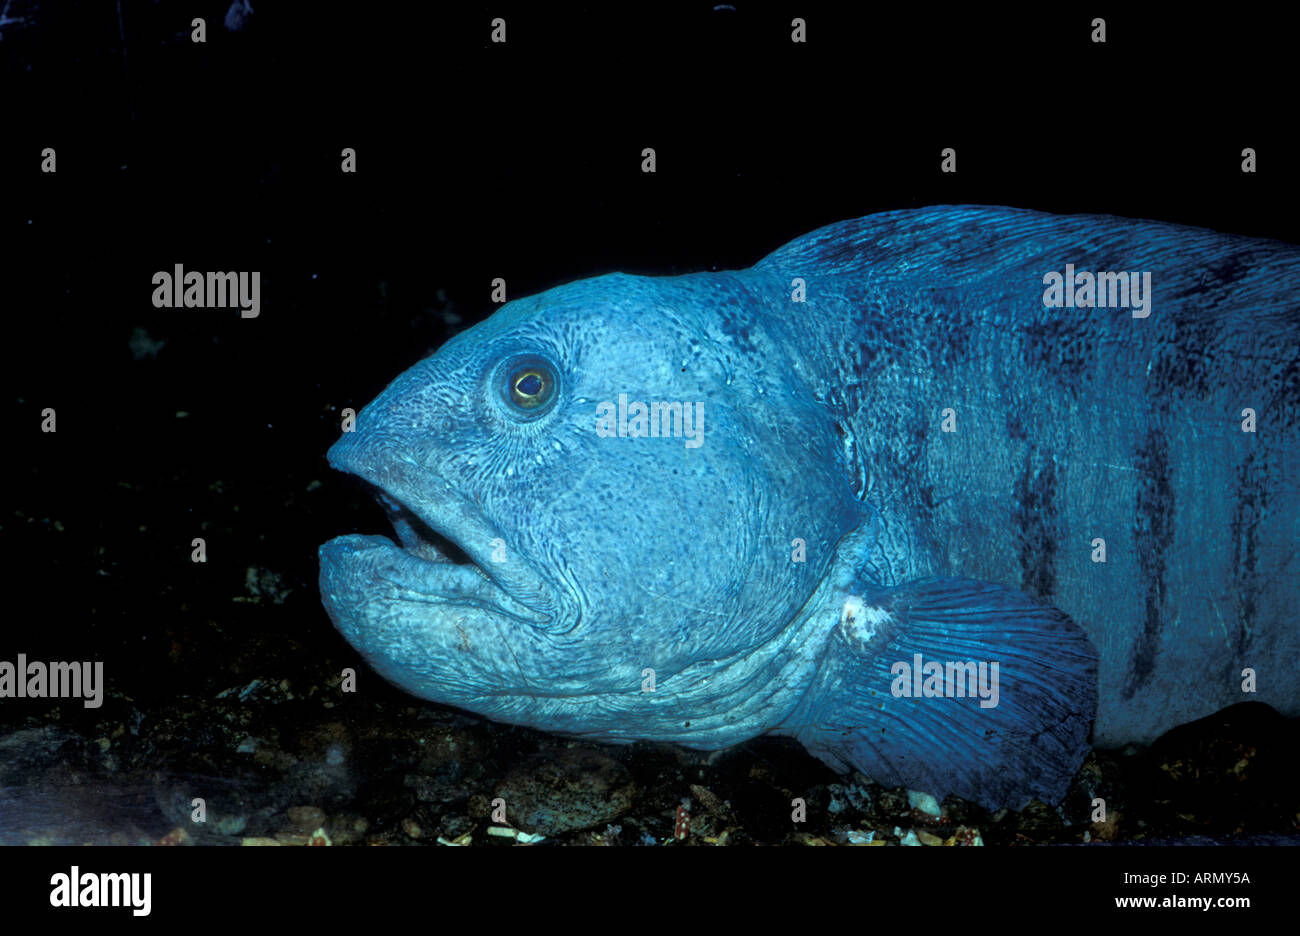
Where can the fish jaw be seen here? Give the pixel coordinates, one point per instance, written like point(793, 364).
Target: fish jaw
point(415, 491)
point(437, 629)
point(467, 633)
point(444, 633)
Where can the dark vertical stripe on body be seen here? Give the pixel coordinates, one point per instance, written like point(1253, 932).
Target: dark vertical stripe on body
point(1036, 519)
point(1251, 501)
point(1153, 534)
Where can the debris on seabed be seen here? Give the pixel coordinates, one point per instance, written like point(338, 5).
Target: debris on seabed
point(965, 835)
point(523, 838)
point(924, 803)
point(682, 825)
point(906, 839)
point(177, 836)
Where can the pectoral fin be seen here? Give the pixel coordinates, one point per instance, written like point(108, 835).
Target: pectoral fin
point(953, 686)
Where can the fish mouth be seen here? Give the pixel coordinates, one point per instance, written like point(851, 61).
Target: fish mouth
point(428, 566)
point(445, 551)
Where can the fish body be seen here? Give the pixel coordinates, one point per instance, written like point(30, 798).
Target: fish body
point(904, 490)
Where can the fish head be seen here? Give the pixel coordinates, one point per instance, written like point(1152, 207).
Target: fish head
point(555, 547)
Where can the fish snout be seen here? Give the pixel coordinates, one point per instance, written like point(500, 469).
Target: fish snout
point(435, 522)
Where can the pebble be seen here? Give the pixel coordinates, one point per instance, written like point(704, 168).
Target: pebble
point(565, 790)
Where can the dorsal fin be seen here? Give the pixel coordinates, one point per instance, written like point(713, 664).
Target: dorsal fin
point(967, 243)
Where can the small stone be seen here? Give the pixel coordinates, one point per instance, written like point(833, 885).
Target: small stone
point(965, 835)
point(177, 836)
point(1038, 821)
point(891, 803)
point(923, 802)
point(711, 803)
point(566, 789)
point(1108, 829)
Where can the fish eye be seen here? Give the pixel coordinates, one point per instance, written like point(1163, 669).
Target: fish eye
point(529, 384)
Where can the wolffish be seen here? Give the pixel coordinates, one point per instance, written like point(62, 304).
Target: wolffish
point(948, 510)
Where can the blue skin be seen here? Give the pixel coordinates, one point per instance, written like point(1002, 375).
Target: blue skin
point(594, 558)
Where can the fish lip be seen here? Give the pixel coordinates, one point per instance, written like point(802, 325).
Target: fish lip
point(411, 577)
point(520, 592)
